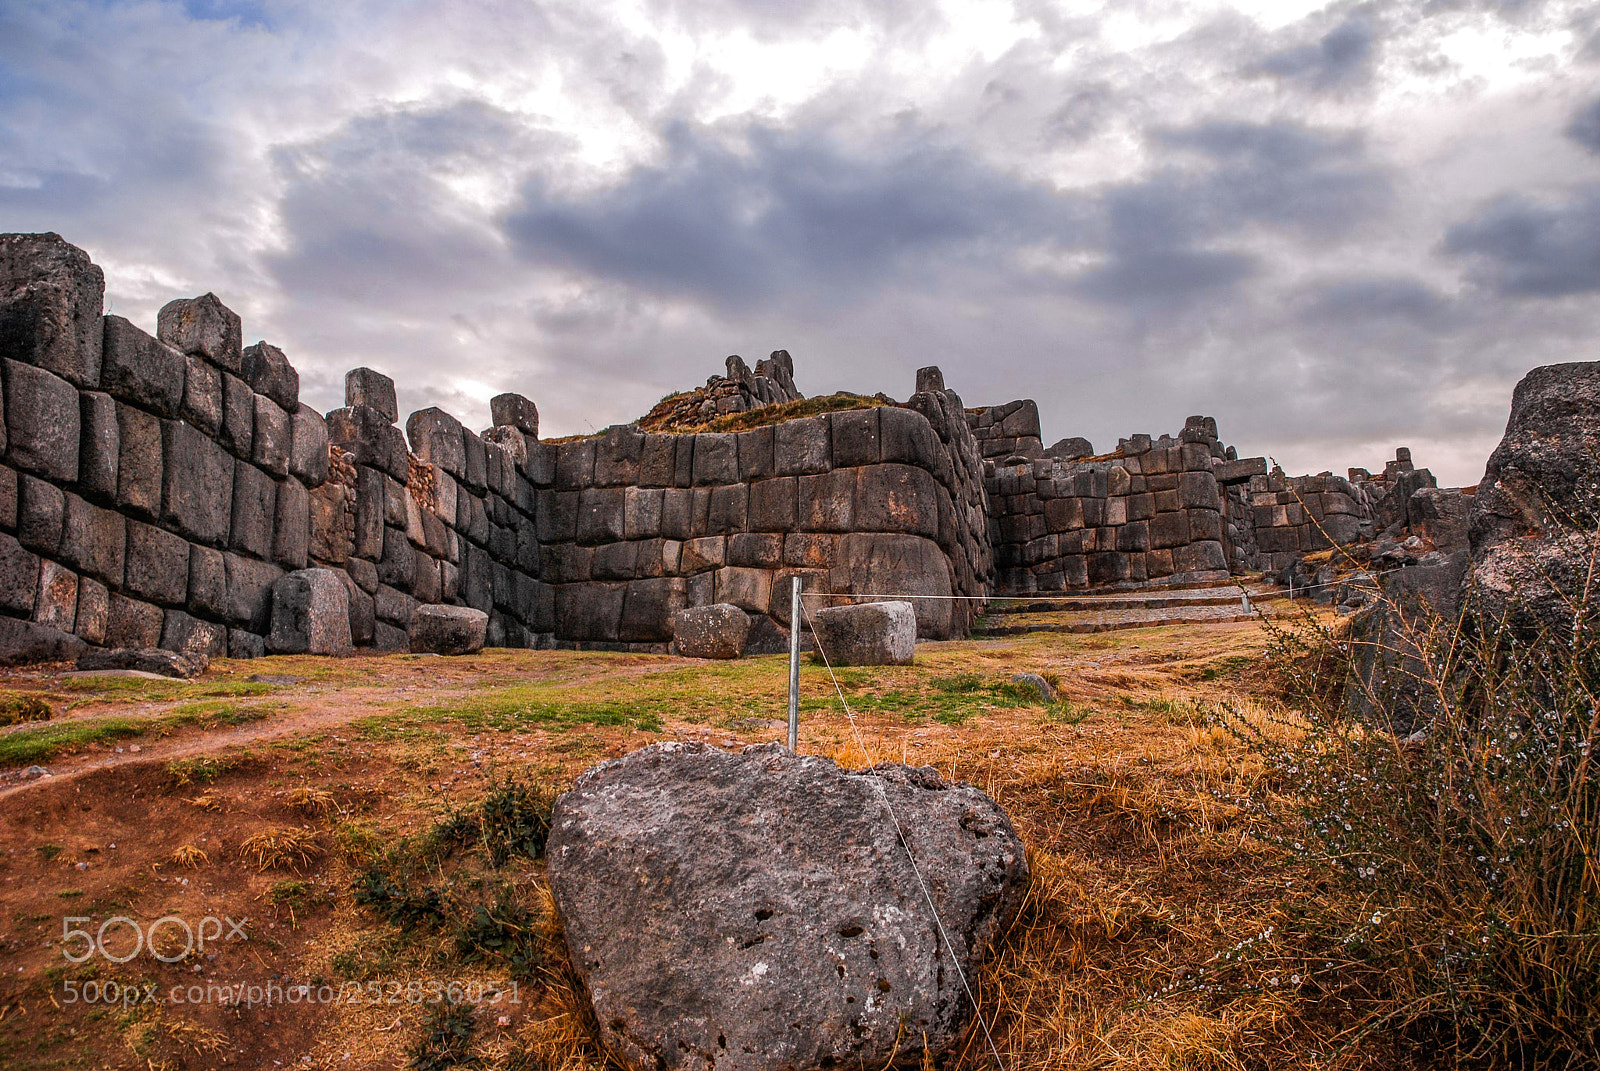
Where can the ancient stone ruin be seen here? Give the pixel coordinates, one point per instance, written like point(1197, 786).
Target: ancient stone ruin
point(171, 491)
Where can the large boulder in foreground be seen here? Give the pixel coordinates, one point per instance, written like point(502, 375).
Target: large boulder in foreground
point(1534, 515)
point(448, 630)
point(872, 634)
point(758, 910)
point(716, 631)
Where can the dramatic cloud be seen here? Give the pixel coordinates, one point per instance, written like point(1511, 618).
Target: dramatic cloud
point(1338, 227)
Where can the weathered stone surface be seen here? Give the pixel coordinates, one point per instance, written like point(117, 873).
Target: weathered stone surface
point(249, 593)
point(895, 498)
point(208, 582)
point(269, 372)
point(22, 642)
point(310, 613)
point(589, 611)
point(50, 302)
point(871, 634)
point(200, 640)
point(308, 446)
point(42, 421)
point(616, 456)
point(437, 437)
point(788, 883)
point(238, 417)
point(41, 514)
point(181, 665)
point(802, 447)
point(1440, 516)
point(92, 539)
point(138, 461)
point(648, 606)
point(1534, 515)
point(1070, 449)
point(517, 411)
point(156, 565)
point(19, 576)
point(255, 496)
point(98, 444)
point(131, 623)
point(203, 327)
point(855, 437)
point(900, 564)
point(373, 389)
point(270, 448)
point(448, 630)
point(8, 498)
point(202, 396)
point(197, 484)
point(245, 644)
point(715, 631)
point(94, 609)
point(142, 370)
point(291, 532)
point(57, 602)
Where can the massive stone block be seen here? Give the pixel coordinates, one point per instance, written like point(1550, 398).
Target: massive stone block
point(437, 437)
point(648, 607)
point(93, 539)
point(308, 449)
point(802, 447)
point(899, 565)
point(517, 411)
point(291, 533)
point(22, 642)
point(370, 439)
point(250, 592)
point(774, 504)
point(41, 512)
point(189, 635)
point(197, 482)
point(448, 630)
point(727, 509)
point(19, 576)
point(202, 396)
point(373, 389)
point(601, 515)
point(617, 454)
point(156, 565)
point(208, 582)
point(255, 496)
point(270, 449)
point(873, 634)
point(94, 610)
point(142, 370)
point(855, 437)
point(50, 302)
point(269, 372)
point(476, 473)
point(398, 566)
point(56, 605)
point(748, 589)
point(203, 327)
point(590, 611)
point(131, 623)
point(716, 631)
point(896, 498)
point(238, 417)
point(42, 421)
point(310, 613)
point(716, 459)
point(370, 503)
point(827, 501)
point(756, 458)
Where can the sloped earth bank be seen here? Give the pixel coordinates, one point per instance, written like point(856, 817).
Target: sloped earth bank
point(160, 792)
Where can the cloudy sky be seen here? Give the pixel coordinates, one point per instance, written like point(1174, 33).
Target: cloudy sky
point(1337, 227)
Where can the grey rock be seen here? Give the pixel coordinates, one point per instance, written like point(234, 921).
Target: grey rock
point(57, 601)
point(203, 327)
point(476, 473)
point(648, 606)
point(716, 459)
point(249, 592)
point(22, 642)
point(238, 417)
point(1036, 684)
point(202, 396)
point(197, 484)
point(131, 623)
point(50, 302)
point(393, 605)
point(331, 524)
point(903, 564)
point(190, 636)
point(8, 498)
point(448, 630)
point(855, 437)
point(94, 611)
point(270, 448)
point(802, 447)
point(797, 891)
point(208, 582)
point(437, 437)
point(369, 439)
point(157, 565)
point(386, 637)
point(517, 411)
point(92, 539)
point(142, 370)
point(373, 389)
point(929, 378)
point(138, 461)
point(181, 665)
point(255, 496)
point(362, 613)
point(716, 631)
point(245, 644)
point(364, 573)
point(308, 449)
point(41, 415)
point(269, 372)
point(99, 444)
point(870, 634)
point(1440, 516)
point(291, 533)
point(310, 613)
point(1070, 449)
point(41, 513)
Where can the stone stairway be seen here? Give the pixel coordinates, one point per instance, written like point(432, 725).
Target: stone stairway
point(1146, 607)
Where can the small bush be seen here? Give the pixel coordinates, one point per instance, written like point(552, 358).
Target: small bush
point(507, 931)
point(281, 847)
point(515, 820)
point(396, 900)
point(446, 1040)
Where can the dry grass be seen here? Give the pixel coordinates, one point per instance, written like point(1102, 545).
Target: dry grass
point(313, 802)
point(190, 856)
point(282, 847)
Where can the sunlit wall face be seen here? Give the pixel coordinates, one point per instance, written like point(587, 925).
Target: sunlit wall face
point(1336, 227)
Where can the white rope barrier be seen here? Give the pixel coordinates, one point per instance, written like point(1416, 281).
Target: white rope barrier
point(955, 957)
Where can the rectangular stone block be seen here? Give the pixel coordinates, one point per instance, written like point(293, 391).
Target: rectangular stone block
point(371, 497)
point(131, 623)
point(802, 447)
point(658, 460)
point(475, 473)
point(1204, 524)
point(19, 577)
point(42, 421)
point(774, 504)
point(1199, 557)
point(238, 417)
point(1075, 571)
point(1141, 507)
point(364, 386)
point(617, 456)
point(255, 497)
point(590, 611)
point(601, 515)
point(727, 510)
point(642, 512)
point(142, 370)
point(703, 553)
point(1198, 490)
point(197, 482)
point(181, 632)
point(855, 437)
point(308, 446)
point(556, 516)
point(332, 523)
point(827, 502)
point(539, 468)
point(1168, 530)
point(156, 565)
point(208, 582)
point(1063, 514)
point(716, 459)
point(203, 327)
point(98, 444)
point(748, 589)
point(250, 592)
point(51, 296)
point(202, 396)
point(269, 372)
point(1134, 536)
point(1107, 567)
point(476, 580)
point(270, 448)
point(1116, 512)
point(138, 461)
point(756, 460)
point(756, 550)
point(94, 610)
point(398, 566)
point(677, 513)
point(575, 465)
point(93, 540)
point(895, 498)
point(8, 498)
point(647, 609)
point(393, 606)
point(41, 514)
point(291, 534)
point(427, 584)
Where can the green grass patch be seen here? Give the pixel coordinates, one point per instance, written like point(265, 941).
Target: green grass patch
point(18, 707)
point(201, 771)
point(28, 746)
point(94, 689)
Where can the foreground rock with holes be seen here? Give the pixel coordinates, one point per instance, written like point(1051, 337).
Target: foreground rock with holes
point(759, 910)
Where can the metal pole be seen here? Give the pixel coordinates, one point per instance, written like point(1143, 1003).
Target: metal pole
point(794, 668)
